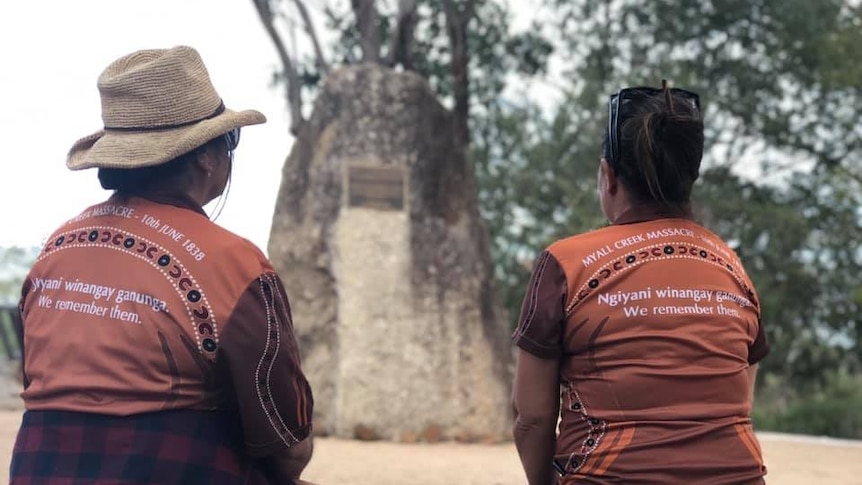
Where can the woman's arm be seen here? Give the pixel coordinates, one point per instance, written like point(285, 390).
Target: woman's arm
point(752, 380)
point(287, 465)
point(536, 391)
point(259, 359)
point(536, 400)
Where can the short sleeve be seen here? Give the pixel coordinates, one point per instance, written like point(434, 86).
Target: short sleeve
point(259, 358)
point(540, 326)
point(760, 347)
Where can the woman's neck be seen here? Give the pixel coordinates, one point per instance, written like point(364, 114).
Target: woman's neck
point(649, 211)
point(174, 198)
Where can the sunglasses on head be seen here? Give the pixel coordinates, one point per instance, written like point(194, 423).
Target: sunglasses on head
point(232, 139)
point(626, 96)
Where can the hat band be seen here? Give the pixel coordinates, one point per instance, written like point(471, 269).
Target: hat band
point(217, 112)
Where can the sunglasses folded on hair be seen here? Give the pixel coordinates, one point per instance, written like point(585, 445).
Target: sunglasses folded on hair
point(628, 95)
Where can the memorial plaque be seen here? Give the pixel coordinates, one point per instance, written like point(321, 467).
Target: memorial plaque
point(379, 188)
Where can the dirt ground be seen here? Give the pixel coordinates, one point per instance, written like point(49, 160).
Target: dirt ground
point(791, 460)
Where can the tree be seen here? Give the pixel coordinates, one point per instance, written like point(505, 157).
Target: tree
point(780, 71)
point(462, 47)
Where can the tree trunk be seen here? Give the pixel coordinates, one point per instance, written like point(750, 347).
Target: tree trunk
point(456, 23)
point(312, 34)
point(401, 49)
point(294, 89)
point(369, 35)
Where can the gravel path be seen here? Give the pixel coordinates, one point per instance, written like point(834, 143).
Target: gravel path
point(791, 460)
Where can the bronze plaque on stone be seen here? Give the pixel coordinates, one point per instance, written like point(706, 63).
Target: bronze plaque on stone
point(375, 187)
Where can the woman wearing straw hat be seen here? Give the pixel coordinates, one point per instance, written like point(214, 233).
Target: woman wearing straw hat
point(159, 347)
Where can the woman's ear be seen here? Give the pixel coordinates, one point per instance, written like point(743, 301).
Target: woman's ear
point(608, 180)
point(205, 162)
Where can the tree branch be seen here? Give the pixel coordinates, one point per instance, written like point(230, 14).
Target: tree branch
point(456, 25)
point(401, 49)
point(369, 35)
point(312, 33)
point(294, 89)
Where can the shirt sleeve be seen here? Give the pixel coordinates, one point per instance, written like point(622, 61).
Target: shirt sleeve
point(540, 326)
point(760, 347)
point(259, 357)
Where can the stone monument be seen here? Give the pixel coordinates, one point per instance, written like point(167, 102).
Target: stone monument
point(378, 238)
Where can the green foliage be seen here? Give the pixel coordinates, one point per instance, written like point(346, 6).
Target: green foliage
point(800, 246)
point(784, 71)
point(495, 52)
point(835, 410)
point(15, 262)
point(9, 335)
point(537, 185)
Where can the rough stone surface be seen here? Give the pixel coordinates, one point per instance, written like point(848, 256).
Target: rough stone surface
point(394, 310)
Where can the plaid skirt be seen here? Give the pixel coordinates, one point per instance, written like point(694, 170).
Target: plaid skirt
point(171, 447)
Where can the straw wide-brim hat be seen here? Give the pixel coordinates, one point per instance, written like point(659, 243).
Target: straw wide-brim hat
point(157, 104)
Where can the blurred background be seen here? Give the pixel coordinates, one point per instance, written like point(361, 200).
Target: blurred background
point(528, 80)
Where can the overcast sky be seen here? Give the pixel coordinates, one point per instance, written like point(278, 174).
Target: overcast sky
point(53, 52)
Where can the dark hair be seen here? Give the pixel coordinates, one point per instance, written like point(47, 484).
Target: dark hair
point(138, 180)
point(660, 149)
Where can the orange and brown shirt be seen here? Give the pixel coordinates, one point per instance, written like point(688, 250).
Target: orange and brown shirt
point(655, 324)
point(137, 306)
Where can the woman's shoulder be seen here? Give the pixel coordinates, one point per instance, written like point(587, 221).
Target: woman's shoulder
point(612, 241)
point(599, 241)
point(228, 244)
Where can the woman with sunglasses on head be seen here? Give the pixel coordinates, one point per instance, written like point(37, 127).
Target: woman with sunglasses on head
point(159, 347)
point(642, 338)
